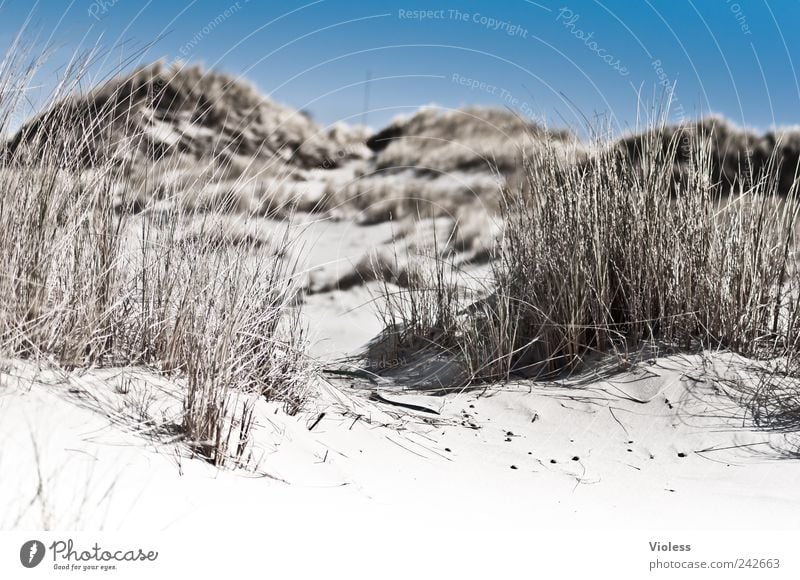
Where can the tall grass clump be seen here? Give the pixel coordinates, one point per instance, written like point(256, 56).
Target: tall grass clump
point(609, 253)
point(87, 281)
point(423, 312)
point(221, 311)
point(619, 248)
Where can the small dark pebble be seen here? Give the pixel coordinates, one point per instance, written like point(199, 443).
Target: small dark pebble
point(576, 458)
point(552, 461)
point(630, 442)
point(508, 439)
point(513, 467)
point(671, 490)
point(681, 454)
point(530, 452)
point(472, 406)
point(509, 434)
point(447, 449)
point(630, 450)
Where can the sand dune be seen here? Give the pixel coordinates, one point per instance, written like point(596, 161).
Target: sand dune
point(549, 455)
point(663, 436)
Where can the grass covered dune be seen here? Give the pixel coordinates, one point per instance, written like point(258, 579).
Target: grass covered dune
point(118, 254)
point(616, 253)
point(88, 285)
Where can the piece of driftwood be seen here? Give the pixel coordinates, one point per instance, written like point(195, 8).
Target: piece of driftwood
point(381, 399)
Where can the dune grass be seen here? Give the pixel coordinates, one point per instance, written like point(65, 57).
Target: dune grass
point(603, 255)
point(87, 283)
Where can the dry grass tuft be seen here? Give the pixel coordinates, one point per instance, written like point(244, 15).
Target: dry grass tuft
point(612, 252)
point(210, 303)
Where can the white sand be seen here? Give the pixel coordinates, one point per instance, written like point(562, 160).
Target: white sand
point(582, 455)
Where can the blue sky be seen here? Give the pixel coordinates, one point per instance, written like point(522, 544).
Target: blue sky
point(565, 61)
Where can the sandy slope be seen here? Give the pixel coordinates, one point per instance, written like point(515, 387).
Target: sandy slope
point(581, 453)
point(339, 321)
